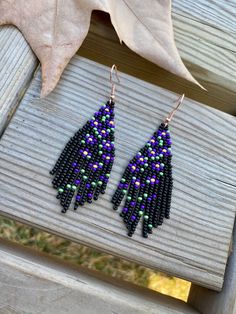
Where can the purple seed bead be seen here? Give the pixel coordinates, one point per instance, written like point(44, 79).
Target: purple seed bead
point(78, 197)
point(90, 195)
point(132, 203)
point(133, 218)
point(125, 210)
point(74, 164)
point(77, 182)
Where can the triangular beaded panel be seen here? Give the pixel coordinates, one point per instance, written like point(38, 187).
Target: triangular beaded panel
point(84, 167)
point(147, 184)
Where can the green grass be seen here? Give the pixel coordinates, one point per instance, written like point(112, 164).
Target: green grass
point(92, 259)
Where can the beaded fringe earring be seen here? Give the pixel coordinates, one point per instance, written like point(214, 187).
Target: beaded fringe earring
point(84, 166)
point(147, 182)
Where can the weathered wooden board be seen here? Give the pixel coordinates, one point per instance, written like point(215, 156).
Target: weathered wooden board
point(211, 302)
point(17, 64)
point(205, 35)
point(33, 283)
point(194, 244)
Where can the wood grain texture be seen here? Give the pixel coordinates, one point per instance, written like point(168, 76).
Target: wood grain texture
point(194, 243)
point(33, 283)
point(211, 302)
point(17, 64)
point(205, 36)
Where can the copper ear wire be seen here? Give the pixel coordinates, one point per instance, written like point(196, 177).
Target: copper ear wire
point(171, 114)
point(113, 83)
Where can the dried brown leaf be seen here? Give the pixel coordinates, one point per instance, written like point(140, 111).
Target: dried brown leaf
point(55, 29)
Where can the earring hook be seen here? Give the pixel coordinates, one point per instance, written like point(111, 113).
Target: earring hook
point(171, 114)
point(113, 73)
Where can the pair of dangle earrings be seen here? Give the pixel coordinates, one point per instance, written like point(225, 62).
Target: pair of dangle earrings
point(82, 171)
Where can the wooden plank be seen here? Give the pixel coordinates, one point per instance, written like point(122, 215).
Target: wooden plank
point(34, 283)
point(211, 302)
point(205, 36)
point(194, 244)
point(17, 65)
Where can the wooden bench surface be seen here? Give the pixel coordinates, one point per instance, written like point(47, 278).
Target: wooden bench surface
point(194, 244)
point(51, 287)
point(17, 64)
point(205, 36)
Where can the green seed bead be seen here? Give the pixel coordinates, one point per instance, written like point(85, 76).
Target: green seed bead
point(68, 186)
point(145, 195)
point(112, 142)
point(85, 178)
point(150, 226)
point(129, 198)
point(145, 158)
point(163, 165)
point(100, 146)
point(142, 170)
point(150, 149)
point(112, 130)
point(95, 129)
point(161, 155)
point(87, 135)
point(93, 118)
point(148, 144)
point(82, 142)
point(139, 154)
point(161, 173)
point(133, 178)
point(100, 164)
point(108, 175)
point(104, 141)
point(108, 130)
point(73, 187)
point(123, 180)
point(96, 132)
point(99, 182)
point(145, 217)
point(99, 136)
point(93, 184)
point(124, 191)
point(157, 157)
point(147, 181)
point(140, 199)
point(100, 152)
point(140, 213)
point(145, 165)
point(88, 157)
point(160, 144)
point(82, 171)
point(169, 149)
point(60, 190)
point(107, 116)
point(159, 137)
point(152, 158)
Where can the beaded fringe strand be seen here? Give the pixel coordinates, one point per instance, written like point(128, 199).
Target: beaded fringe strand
point(83, 168)
point(147, 184)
